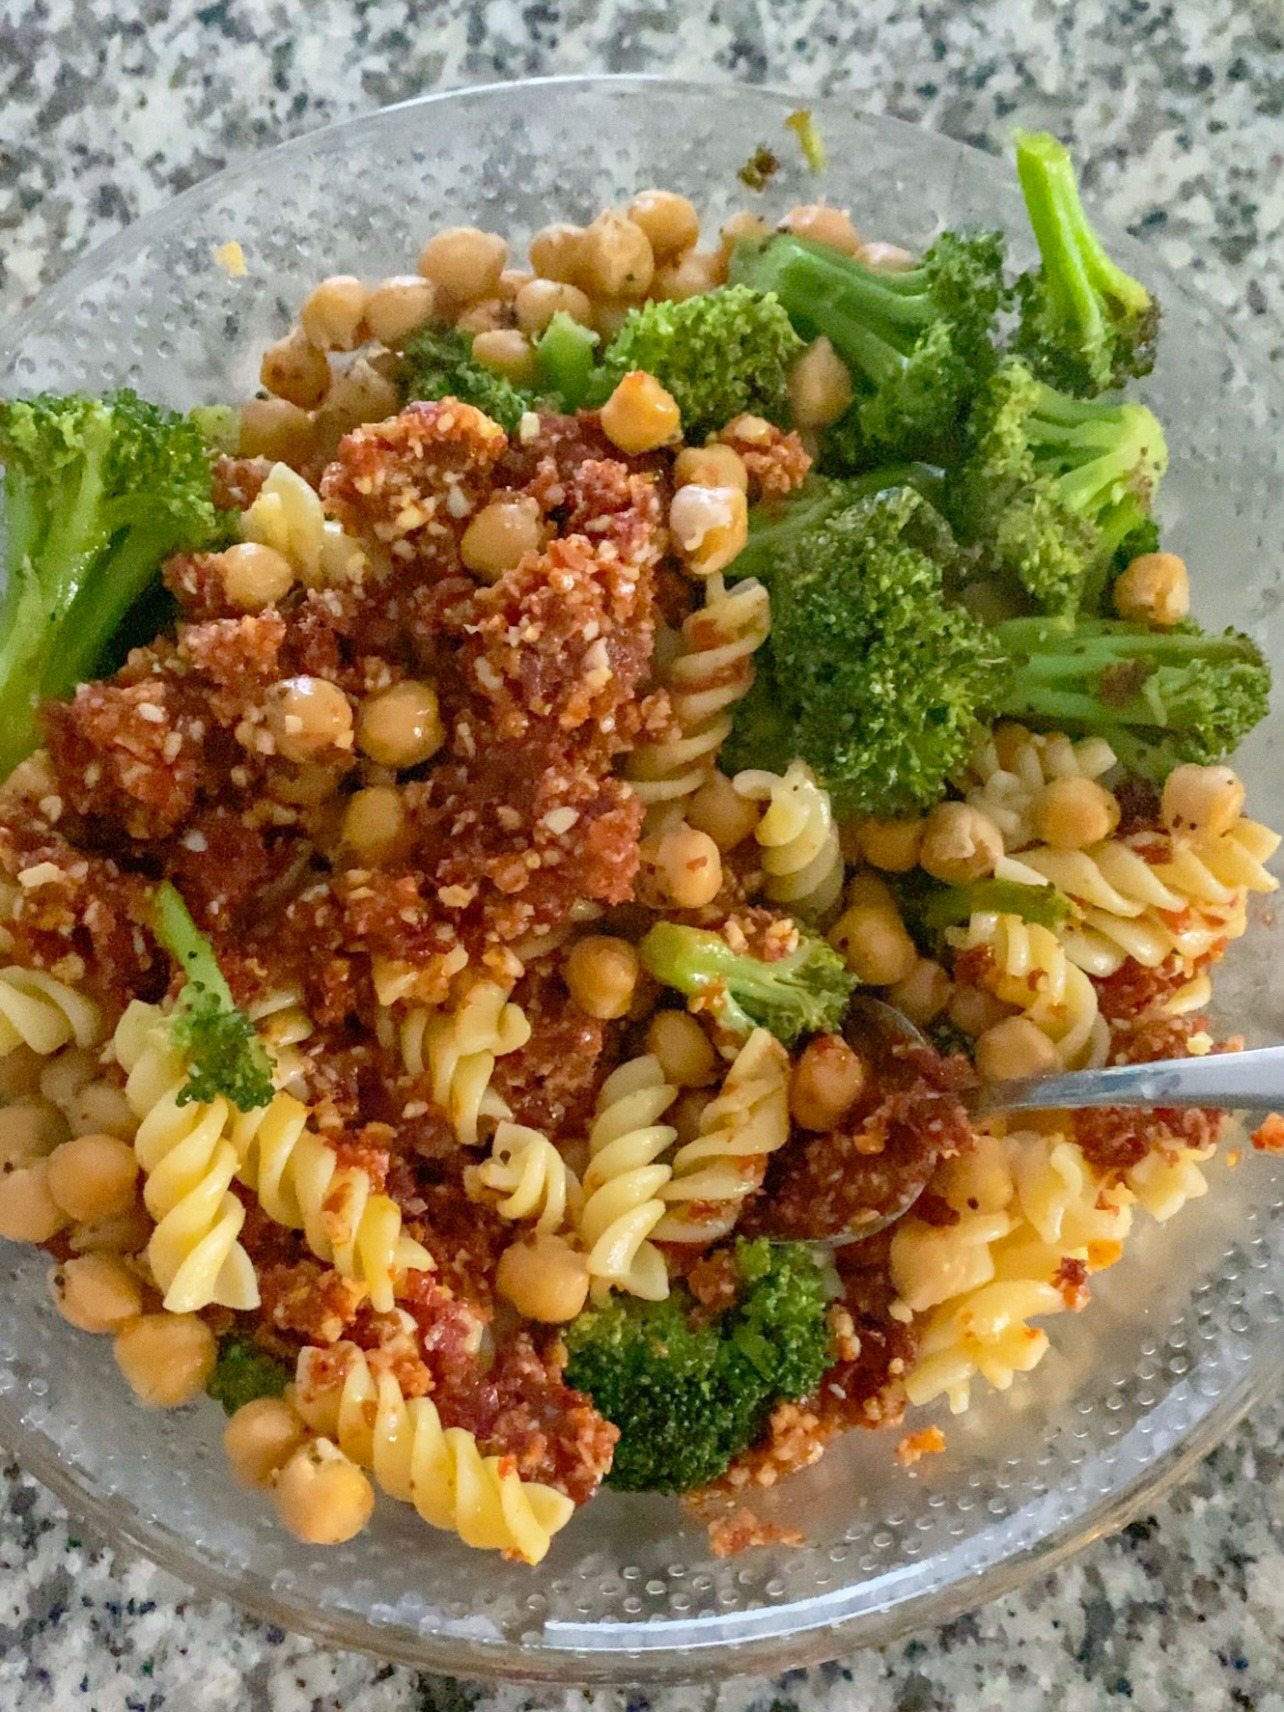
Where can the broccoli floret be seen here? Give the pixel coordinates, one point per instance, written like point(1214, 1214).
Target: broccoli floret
point(917, 340)
point(778, 526)
point(928, 907)
point(1054, 485)
point(804, 993)
point(1157, 697)
point(1086, 325)
point(438, 363)
point(244, 1372)
point(224, 1055)
point(868, 673)
point(689, 1392)
point(219, 426)
point(98, 493)
point(720, 354)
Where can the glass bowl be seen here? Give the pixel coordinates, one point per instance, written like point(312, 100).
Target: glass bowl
point(1180, 1338)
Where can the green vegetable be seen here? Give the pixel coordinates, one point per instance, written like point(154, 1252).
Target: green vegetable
point(244, 1372)
point(804, 993)
point(438, 363)
point(803, 125)
point(224, 1055)
point(1055, 485)
point(720, 354)
point(219, 426)
point(778, 528)
point(1086, 325)
point(98, 493)
point(917, 340)
point(1157, 697)
point(687, 1392)
point(868, 673)
point(928, 906)
point(565, 356)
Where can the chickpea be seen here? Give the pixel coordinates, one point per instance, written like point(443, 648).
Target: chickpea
point(402, 726)
point(306, 787)
point(166, 1358)
point(96, 1292)
point(398, 306)
point(1207, 800)
point(511, 282)
point(821, 224)
point(254, 576)
point(1010, 741)
point(689, 275)
point(463, 263)
point(683, 1049)
point(544, 1278)
point(28, 1211)
point(29, 1129)
point(508, 352)
point(608, 316)
point(1154, 589)
point(669, 221)
point(688, 866)
point(892, 845)
point(960, 844)
point(1071, 813)
point(308, 717)
point(602, 972)
point(1012, 1049)
point(276, 429)
point(714, 465)
point(501, 535)
point(537, 303)
point(640, 415)
point(486, 316)
point(357, 394)
point(709, 526)
point(261, 1437)
point(924, 993)
point(973, 1010)
point(826, 1083)
point(820, 386)
point(123, 1233)
point(872, 937)
point(294, 369)
point(333, 316)
point(885, 258)
point(718, 809)
point(22, 1072)
point(615, 257)
point(740, 227)
point(322, 1497)
point(556, 251)
point(93, 1176)
point(375, 827)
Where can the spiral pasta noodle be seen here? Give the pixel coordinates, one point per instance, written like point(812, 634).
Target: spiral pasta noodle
point(287, 514)
point(457, 1050)
point(1030, 969)
point(1006, 789)
point(44, 1014)
point(414, 1459)
point(727, 1160)
point(624, 1180)
point(534, 1179)
point(797, 836)
point(712, 671)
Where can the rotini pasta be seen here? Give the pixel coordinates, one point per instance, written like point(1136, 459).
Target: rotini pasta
point(624, 1180)
point(457, 1050)
point(44, 1014)
point(1005, 787)
point(534, 1179)
point(712, 670)
point(1030, 969)
point(287, 514)
point(440, 1470)
point(798, 838)
point(727, 1160)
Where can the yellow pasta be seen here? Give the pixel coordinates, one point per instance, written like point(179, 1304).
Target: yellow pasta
point(1007, 793)
point(440, 1470)
point(712, 670)
point(44, 1014)
point(287, 514)
point(727, 1160)
point(1031, 970)
point(799, 841)
point(457, 1050)
point(624, 1181)
point(534, 1179)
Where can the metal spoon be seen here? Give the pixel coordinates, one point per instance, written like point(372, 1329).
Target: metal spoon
point(1235, 1081)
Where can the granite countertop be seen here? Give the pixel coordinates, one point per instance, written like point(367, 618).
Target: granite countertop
point(106, 111)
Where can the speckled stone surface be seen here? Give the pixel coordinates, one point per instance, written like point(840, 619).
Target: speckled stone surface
point(107, 110)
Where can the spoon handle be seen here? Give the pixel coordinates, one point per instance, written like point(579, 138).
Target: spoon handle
point(1236, 1081)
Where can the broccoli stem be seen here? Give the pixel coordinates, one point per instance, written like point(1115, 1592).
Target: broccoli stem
point(565, 357)
point(187, 945)
point(98, 610)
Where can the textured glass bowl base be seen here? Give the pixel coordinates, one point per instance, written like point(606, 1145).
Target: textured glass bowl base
point(1180, 1336)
